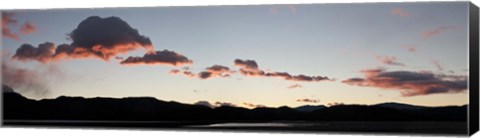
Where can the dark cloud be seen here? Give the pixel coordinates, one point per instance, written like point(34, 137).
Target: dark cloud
point(94, 37)
point(204, 103)
point(248, 67)
point(220, 104)
point(183, 72)
point(294, 86)
point(308, 100)
point(107, 37)
point(7, 22)
point(159, 57)
point(251, 105)
point(411, 83)
point(28, 28)
point(251, 68)
point(43, 53)
point(334, 104)
point(215, 71)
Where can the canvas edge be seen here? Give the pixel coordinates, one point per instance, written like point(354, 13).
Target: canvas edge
point(473, 110)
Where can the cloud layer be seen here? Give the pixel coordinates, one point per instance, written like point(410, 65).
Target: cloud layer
point(411, 83)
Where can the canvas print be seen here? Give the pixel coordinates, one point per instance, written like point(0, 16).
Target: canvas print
point(373, 67)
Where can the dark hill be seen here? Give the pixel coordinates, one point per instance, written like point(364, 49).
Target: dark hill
point(17, 107)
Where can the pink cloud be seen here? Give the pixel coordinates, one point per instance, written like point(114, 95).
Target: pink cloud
point(400, 12)
point(389, 60)
point(436, 31)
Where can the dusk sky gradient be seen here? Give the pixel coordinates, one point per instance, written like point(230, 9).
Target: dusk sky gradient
point(337, 41)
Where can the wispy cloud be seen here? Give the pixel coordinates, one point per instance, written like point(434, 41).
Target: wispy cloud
point(410, 48)
point(389, 60)
point(437, 64)
point(251, 105)
point(277, 8)
point(308, 100)
point(7, 22)
point(28, 28)
point(400, 12)
point(436, 31)
point(294, 86)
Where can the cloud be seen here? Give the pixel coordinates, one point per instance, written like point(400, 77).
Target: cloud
point(97, 37)
point(411, 83)
point(215, 71)
point(215, 104)
point(28, 28)
point(250, 68)
point(334, 104)
point(400, 12)
point(295, 86)
point(204, 103)
point(308, 100)
point(389, 60)
point(437, 64)
point(436, 31)
point(251, 105)
point(26, 80)
point(43, 53)
point(220, 104)
point(410, 48)
point(276, 9)
point(164, 57)
point(186, 73)
point(7, 21)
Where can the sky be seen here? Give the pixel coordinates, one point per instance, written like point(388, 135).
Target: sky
point(249, 56)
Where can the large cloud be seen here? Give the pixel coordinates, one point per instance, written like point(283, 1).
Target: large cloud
point(165, 57)
point(411, 83)
point(97, 37)
point(251, 68)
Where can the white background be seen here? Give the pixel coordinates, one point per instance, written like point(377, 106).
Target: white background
point(19, 132)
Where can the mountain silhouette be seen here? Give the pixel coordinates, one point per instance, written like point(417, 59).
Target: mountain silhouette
point(399, 106)
point(309, 108)
point(151, 112)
